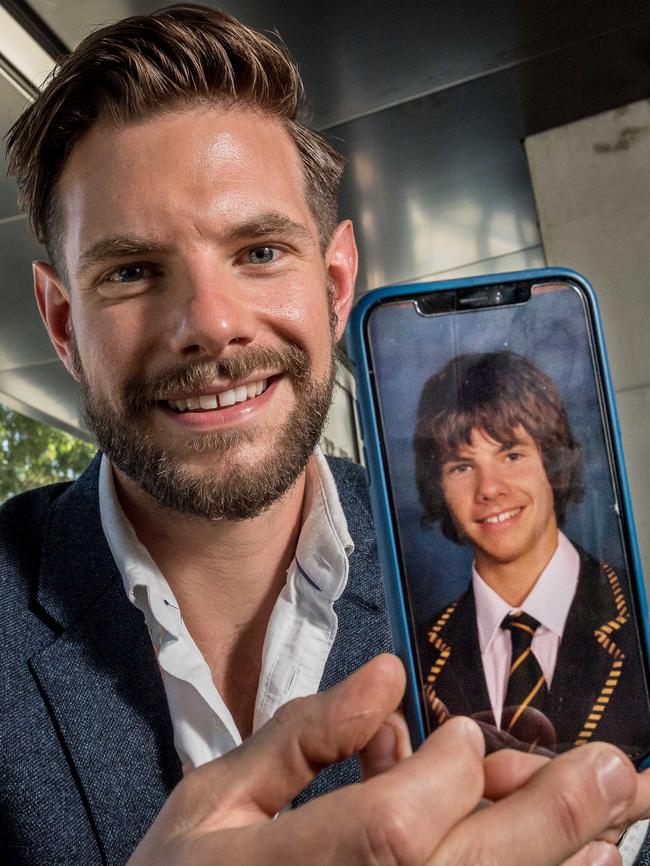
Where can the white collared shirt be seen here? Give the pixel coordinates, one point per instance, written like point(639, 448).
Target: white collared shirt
point(300, 633)
point(548, 602)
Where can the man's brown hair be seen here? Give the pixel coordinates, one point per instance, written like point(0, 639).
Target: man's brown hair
point(494, 392)
point(181, 56)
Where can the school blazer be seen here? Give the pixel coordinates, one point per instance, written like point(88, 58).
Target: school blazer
point(597, 687)
point(87, 756)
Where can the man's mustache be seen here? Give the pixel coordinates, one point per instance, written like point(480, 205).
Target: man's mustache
point(139, 393)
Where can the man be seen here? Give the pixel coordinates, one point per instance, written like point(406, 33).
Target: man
point(210, 567)
point(542, 639)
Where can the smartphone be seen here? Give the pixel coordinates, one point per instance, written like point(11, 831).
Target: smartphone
point(503, 516)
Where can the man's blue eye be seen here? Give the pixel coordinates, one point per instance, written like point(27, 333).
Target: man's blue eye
point(127, 274)
point(261, 255)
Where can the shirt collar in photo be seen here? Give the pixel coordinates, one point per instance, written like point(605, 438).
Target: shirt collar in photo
point(548, 601)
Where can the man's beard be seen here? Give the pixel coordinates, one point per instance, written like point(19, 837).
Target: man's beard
point(238, 491)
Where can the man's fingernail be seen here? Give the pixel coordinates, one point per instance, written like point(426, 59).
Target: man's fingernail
point(403, 747)
point(473, 733)
point(380, 751)
point(603, 854)
point(386, 739)
point(614, 779)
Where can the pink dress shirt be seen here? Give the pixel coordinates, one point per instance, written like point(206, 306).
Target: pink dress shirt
point(548, 601)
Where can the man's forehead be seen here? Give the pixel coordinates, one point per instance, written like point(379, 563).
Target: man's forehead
point(203, 161)
point(189, 118)
point(211, 139)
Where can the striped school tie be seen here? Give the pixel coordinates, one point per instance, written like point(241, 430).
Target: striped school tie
point(526, 683)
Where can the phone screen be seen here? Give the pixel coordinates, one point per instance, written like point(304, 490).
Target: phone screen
point(505, 506)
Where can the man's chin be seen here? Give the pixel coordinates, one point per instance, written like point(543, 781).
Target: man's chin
point(209, 449)
point(210, 493)
point(222, 462)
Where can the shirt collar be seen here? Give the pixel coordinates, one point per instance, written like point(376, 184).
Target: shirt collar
point(144, 583)
point(324, 544)
point(548, 601)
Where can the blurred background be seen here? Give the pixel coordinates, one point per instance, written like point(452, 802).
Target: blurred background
point(481, 136)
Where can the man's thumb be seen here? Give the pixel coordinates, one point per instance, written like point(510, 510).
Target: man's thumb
point(276, 763)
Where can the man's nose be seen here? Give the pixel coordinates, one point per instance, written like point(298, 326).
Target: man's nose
point(211, 311)
point(490, 483)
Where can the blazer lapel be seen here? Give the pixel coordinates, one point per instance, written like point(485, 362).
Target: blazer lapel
point(100, 678)
point(589, 656)
point(363, 626)
point(455, 673)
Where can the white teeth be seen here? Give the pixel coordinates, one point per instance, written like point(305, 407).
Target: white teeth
point(500, 518)
point(208, 401)
point(177, 405)
point(226, 398)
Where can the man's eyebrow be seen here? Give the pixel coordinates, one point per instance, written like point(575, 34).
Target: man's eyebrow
point(269, 223)
point(120, 246)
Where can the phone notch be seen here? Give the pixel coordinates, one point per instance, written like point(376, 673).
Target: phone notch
point(473, 298)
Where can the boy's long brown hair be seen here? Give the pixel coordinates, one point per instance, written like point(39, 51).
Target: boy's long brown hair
point(494, 392)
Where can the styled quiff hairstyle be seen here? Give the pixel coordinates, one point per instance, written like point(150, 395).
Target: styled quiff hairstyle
point(179, 57)
point(494, 392)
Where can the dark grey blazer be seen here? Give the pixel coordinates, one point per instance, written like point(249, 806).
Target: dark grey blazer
point(87, 756)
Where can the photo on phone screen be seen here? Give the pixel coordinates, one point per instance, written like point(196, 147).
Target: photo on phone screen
point(516, 575)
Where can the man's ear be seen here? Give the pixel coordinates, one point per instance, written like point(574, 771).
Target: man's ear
point(342, 260)
point(53, 300)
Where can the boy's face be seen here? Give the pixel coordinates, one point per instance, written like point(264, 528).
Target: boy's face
point(501, 500)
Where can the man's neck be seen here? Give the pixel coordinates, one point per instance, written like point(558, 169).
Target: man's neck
point(225, 576)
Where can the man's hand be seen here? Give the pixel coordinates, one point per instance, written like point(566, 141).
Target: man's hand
point(410, 811)
point(547, 810)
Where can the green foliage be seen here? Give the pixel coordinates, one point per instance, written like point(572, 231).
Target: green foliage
point(32, 454)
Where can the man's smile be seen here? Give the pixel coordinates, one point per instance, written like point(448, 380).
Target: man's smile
point(212, 398)
point(217, 408)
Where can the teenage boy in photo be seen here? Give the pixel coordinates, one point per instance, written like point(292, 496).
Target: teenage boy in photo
point(541, 644)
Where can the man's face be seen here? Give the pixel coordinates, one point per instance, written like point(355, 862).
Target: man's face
point(501, 501)
point(202, 309)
